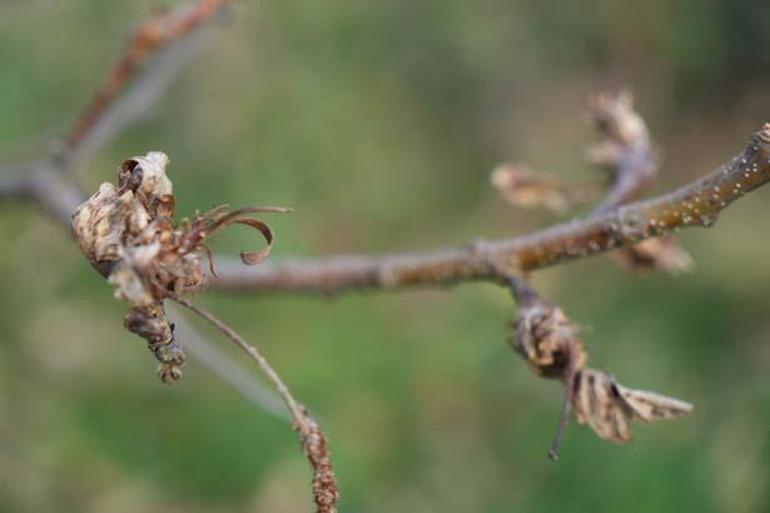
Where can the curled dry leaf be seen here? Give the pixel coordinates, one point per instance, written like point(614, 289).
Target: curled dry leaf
point(607, 406)
point(661, 253)
point(523, 188)
point(129, 235)
point(547, 340)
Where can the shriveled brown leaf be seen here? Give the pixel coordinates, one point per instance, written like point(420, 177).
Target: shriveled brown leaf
point(608, 407)
point(663, 253)
point(523, 188)
point(614, 116)
point(547, 340)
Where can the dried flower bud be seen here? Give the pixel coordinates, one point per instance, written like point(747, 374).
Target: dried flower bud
point(615, 117)
point(129, 235)
point(546, 339)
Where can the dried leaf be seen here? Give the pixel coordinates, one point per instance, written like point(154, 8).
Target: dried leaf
point(649, 406)
point(663, 253)
point(523, 188)
point(547, 340)
point(607, 407)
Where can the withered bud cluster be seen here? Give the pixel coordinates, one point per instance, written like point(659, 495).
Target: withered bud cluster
point(129, 235)
point(545, 338)
point(548, 341)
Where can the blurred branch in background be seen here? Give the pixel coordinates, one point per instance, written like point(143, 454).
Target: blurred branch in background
point(154, 55)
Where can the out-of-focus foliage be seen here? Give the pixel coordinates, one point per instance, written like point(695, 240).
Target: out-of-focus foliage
point(383, 118)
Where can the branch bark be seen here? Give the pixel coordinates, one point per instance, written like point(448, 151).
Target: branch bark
point(696, 204)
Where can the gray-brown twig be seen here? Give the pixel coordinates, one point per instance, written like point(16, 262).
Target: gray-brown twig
point(696, 204)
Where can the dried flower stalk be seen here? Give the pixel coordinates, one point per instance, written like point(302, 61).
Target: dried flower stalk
point(625, 150)
point(314, 443)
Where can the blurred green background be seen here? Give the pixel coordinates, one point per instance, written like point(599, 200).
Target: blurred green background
point(378, 121)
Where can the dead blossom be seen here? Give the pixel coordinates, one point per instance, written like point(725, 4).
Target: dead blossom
point(129, 235)
point(547, 340)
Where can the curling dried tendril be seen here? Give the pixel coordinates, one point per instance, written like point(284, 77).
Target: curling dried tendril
point(129, 235)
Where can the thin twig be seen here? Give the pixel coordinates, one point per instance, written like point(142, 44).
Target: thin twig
point(222, 366)
point(625, 149)
point(696, 204)
point(313, 440)
point(155, 34)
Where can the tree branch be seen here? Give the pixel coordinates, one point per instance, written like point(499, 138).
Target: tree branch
point(696, 204)
point(156, 46)
point(625, 148)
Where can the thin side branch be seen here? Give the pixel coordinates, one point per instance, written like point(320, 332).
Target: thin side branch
point(313, 439)
point(152, 36)
point(696, 204)
point(625, 149)
point(225, 368)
